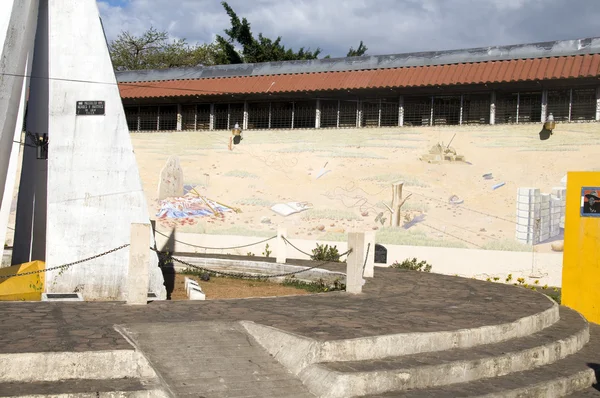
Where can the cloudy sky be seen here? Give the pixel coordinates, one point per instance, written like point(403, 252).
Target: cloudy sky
point(386, 26)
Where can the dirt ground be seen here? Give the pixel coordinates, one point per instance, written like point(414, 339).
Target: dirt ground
point(280, 166)
point(229, 288)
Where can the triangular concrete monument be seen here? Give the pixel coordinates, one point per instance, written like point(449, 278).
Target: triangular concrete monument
point(83, 199)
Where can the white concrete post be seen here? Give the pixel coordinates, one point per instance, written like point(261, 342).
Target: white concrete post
point(369, 270)
point(293, 113)
point(379, 115)
point(270, 109)
point(493, 108)
point(462, 101)
point(358, 114)
point(139, 257)
point(598, 104)
point(211, 123)
point(544, 106)
point(355, 262)
point(245, 121)
point(179, 118)
point(228, 116)
point(338, 115)
point(318, 115)
point(281, 246)
point(518, 105)
point(431, 111)
point(401, 111)
point(570, 104)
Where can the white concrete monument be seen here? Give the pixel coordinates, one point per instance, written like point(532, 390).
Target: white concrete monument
point(82, 200)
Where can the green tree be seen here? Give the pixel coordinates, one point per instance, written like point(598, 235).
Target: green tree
point(359, 52)
point(154, 50)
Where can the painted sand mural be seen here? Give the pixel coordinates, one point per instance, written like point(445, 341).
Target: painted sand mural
point(460, 184)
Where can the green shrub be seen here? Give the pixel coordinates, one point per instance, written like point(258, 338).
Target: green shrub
point(413, 265)
point(325, 253)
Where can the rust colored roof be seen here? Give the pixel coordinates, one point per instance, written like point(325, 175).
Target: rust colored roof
point(578, 66)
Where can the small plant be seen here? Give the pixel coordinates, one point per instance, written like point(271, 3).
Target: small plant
point(318, 286)
point(413, 265)
point(267, 252)
point(250, 254)
point(325, 253)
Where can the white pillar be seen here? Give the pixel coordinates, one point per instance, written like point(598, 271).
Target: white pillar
point(401, 111)
point(460, 118)
point(598, 104)
point(431, 111)
point(379, 115)
point(338, 116)
point(179, 118)
point(281, 246)
point(245, 122)
point(293, 112)
point(355, 262)
point(318, 115)
point(518, 105)
point(493, 108)
point(544, 106)
point(570, 104)
point(228, 116)
point(139, 257)
point(158, 118)
point(369, 270)
point(270, 114)
point(358, 114)
point(195, 117)
point(211, 123)
point(139, 118)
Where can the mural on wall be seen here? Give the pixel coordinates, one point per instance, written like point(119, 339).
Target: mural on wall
point(590, 202)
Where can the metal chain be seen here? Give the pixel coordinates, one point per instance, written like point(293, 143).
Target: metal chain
point(239, 274)
point(218, 248)
point(310, 255)
point(67, 265)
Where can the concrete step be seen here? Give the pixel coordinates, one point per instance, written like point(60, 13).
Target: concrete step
point(109, 388)
point(426, 370)
point(572, 376)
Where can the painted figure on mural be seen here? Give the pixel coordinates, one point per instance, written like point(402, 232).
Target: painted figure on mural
point(236, 136)
point(592, 203)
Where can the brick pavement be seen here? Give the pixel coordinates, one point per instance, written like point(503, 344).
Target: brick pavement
point(395, 301)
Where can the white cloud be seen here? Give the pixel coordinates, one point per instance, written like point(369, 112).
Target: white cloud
point(386, 26)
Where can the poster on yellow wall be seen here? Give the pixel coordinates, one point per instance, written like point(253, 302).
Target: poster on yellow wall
point(590, 202)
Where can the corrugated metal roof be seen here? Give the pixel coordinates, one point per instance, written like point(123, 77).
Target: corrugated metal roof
point(578, 66)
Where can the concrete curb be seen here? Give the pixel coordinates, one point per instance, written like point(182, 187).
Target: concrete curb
point(111, 394)
point(55, 366)
point(331, 384)
point(297, 352)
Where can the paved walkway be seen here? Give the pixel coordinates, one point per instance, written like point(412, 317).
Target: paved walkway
point(394, 301)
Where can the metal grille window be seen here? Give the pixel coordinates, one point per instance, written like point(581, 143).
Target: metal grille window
point(417, 111)
point(167, 115)
point(221, 117)
point(389, 113)
point(329, 114)
point(583, 106)
point(530, 107)
point(446, 110)
point(348, 113)
point(148, 118)
point(188, 117)
point(559, 105)
point(281, 115)
point(305, 113)
point(236, 115)
point(203, 117)
point(370, 113)
point(506, 108)
point(258, 116)
point(476, 109)
point(131, 115)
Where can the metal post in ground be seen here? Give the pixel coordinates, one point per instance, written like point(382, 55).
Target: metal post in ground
point(355, 262)
point(369, 265)
point(139, 258)
point(280, 247)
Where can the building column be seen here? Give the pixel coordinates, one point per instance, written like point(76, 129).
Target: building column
point(318, 115)
point(139, 118)
point(570, 104)
point(179, 118)
point(245, 121)
point(544, 106)
point(338, 116)
point(401, 111)
point(211, 123)
point(431, 111)
point(196, 118)
point(518, 105)
point(493, 108)
point(598, 104)
point(158, 118)
point(228, 116)
point(293, 112)
point(358, 114)
point(270, 103)
point(379, 116)
point(460, 116)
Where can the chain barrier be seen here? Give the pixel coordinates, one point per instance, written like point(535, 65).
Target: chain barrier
point(67, 265)
point(218, 248)
point(236, 274)
point(310, 255)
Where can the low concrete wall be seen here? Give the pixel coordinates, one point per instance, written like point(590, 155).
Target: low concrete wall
point(481, 264)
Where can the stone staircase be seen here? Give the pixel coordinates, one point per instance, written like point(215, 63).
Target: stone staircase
point(544, 359)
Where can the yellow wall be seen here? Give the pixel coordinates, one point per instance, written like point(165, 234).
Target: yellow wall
point(27, 287)
point(581, 257)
